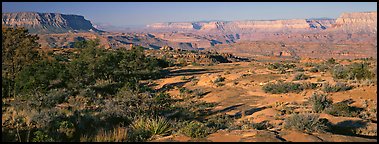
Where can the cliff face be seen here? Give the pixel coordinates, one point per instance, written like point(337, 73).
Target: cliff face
point(47, 22)
point(242, 26)
point(365, 22)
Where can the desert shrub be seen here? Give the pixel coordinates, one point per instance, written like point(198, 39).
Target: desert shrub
point(105, 87)
point(313, 69)
point(322, 68)
point(199, 93)
point(181, 62)
point(59, 125)
point(336, 88)
point(309, 64)
point(282, 87)
point(219, 122)
point(194, 81)
point(319, 102)
point(185, 93)
point(195, 64)
point(340, 72)
point(300, 76)
point(300, 69)
point(306, 122)
point(194, 129)
point(309, 85)
point(262, 125)
point(54, 96)
point(281, 70)
point(40, 136)
point(330, 61)
point(359, 71)
point(139, 135)
point(42, 76)
point(341, 109)
point(219, 79)
point(282, 66)
point(184, 90)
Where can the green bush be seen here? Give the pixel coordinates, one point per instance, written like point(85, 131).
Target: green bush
point(336, 88)
point(40, 136)
point(42, 76)
point(194, 129)
point(300, 76)
point(306, 122)
point(359, 71)
point(319, 102)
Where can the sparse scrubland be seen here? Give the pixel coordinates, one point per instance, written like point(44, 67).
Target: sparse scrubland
point(92, 94)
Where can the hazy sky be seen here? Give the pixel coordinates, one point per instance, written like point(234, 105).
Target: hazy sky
point(143, 13)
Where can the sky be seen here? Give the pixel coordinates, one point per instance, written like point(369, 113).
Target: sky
point(144, 13)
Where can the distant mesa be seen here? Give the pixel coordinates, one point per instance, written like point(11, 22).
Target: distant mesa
point(347, 22)
point(48, 22)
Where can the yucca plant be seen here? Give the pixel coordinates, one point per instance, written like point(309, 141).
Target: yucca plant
point(144, 128)
point(158, 126)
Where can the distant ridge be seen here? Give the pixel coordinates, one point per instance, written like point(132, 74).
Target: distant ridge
point(48, 22)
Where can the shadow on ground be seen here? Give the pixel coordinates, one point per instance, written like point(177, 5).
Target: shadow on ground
point(350, 128)
point(186, 72)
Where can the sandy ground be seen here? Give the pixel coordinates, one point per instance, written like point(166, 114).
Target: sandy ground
point(241, 92)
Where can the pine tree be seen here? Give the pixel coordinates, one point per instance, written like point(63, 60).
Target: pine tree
point(19, 49)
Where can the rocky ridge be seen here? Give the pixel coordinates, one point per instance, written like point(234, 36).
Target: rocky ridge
point(48, 22)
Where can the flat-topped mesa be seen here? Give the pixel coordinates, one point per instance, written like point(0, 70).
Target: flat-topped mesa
point(357, 22)
point(365, 22)
point(242, 26)
point(47, 22)
point(172, 26)
point(278, 25)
